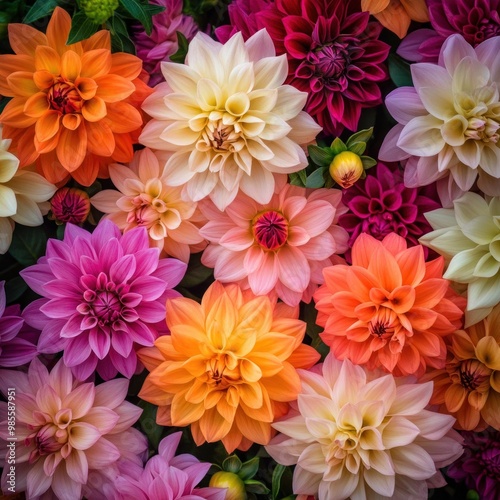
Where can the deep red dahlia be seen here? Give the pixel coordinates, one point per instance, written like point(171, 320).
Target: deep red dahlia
point(334, 55)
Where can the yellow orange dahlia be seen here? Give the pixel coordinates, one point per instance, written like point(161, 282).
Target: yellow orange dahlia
point(228, 368)
point(74, 108)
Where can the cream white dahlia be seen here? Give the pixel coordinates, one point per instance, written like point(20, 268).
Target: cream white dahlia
point(228, 119)
point(448, 123)
point(359, 437)
point(468, 236)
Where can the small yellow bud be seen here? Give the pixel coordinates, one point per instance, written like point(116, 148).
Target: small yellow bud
point(235, 486)
point(346, 168)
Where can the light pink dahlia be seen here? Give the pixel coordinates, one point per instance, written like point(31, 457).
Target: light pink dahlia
point(17, 340)
point(166, 476)
point(162, 43)
point(66, 430)
point(103, 295)
point(144, 198)
point(282, 245)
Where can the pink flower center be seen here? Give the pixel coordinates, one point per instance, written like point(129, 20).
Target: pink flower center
point(270, 230)
point(64, 97)
point(48, 439)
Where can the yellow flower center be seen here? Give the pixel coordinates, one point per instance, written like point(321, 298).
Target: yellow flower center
point(218, 136)
point(64, 97)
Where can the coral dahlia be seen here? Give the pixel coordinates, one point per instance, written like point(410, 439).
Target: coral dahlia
point(228, 368)
point(282, 245)
point(390, 309)
point(66, 430)
point(103, 295)
point(353, 435)
point(74, 108)
point(229, 120)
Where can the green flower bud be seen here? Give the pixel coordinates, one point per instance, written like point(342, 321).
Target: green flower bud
point(98, 11)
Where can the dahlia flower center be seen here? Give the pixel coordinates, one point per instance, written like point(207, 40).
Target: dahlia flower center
point(270, 230)
point(48, 439)
point(481, 24)
point(483, 129)
point(219, 137)
point(64, 97)
point(106, 306)
point(331, 62)
point(384, 324)
point(223, 370)
point(473, 374)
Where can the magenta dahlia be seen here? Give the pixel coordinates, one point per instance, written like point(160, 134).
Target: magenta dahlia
point(381, 204)
point(162, 43)
point(103, 295)
point(333, 54)
point(479, 466)
point(17, 340)
point(475, 20)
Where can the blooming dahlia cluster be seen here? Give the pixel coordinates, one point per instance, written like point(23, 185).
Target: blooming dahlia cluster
point(390, 309)
point(23, 195)
point(281, 246)
point(475, 20)
point(166, 476)
point(396, 15)
point(17, 342)
point(479, 466)
point(448, 122)
point(381, 204)
point(145, 199)
point(162, 43)
point(74, 108)
point(468, 387)
point(357, 436)
point(228, 368)
point(103, 294)
point(228, 119)
point(67, 430)
point(468, 237)
point(333, 54)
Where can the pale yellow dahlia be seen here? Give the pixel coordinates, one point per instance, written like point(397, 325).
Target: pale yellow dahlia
point(23, 195)
point(229, 119)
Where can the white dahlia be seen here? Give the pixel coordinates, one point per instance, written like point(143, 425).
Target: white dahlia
point(229, 119)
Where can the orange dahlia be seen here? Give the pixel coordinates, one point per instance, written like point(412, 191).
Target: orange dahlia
point(228, 368)
point(74, 108)
point(468, 388)
point(390, 309)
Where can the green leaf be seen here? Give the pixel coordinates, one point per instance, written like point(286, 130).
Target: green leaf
point(338, 146)
point(357, 148)
point(15, 288)
point(361, 136)
point(249, 469)
point(122, 43)
point(321, 157)
point(138, 11)
point(116, 24)
point(81, 28)
point(40, 8)
point(148, 423)
point(28, 244)
point(400, 72)
point(232, 464)
point(368, 162)
point(183, 44)
point(295, 180)
point(256, 487)
point(196, 273)
point(316, 179)
point(60, 231)
point(303, 176)
point(276, 481)
point(152, 10)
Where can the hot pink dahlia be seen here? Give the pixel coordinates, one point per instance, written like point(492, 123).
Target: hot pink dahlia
point(67, 431)
point(103, 295)
point(475, 20)
point(162, 43)
point(333, 54)
point(282, 245)
point(166, 476)
point(381, 204)
point(17, 340)
point(479, 466)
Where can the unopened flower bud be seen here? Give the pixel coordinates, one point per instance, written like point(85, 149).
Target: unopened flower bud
point(234, 484)
point(70, 205)
point(346, 168)
point(98, 11)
